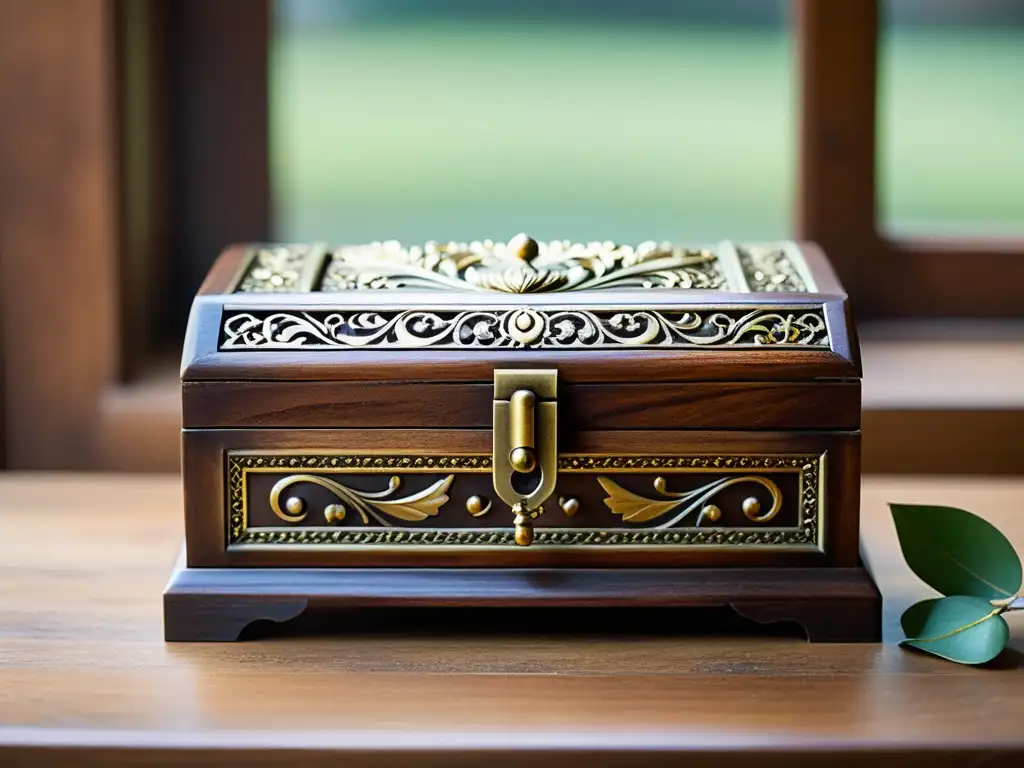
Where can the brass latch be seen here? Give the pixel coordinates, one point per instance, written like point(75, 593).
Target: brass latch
point(525, 443)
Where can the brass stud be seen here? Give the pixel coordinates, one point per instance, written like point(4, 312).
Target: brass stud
point(522, 460)
point(523, 247)
point(477, 506)
point(569, 506)
point(711, 512)
point(294, 505)
point(751, 507)
point(334, 513)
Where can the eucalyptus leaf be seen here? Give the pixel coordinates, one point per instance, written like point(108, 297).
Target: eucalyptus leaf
point(956, 552)
point(913, 619)
point(964, 629)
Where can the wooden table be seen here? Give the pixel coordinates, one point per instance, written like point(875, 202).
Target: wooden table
point(83, 668)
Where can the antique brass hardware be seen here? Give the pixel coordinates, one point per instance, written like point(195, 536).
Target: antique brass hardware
point(523, 456)
point(525, 441)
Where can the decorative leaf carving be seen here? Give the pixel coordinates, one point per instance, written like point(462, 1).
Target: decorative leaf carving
point(413, 508)
point(633, 507)
point(419, 506)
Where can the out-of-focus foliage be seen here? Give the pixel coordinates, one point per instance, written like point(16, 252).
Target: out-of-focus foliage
point(433, 119)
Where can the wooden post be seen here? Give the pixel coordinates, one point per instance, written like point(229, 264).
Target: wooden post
point(837, 65)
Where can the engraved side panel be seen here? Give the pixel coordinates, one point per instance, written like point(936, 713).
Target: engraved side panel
point(335, 499)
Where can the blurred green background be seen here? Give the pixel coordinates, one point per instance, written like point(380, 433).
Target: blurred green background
point(440, 119)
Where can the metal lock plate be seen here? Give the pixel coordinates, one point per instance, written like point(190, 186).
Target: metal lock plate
point(525, 452)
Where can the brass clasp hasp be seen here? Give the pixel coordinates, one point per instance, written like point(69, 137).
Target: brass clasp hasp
point(525, 443)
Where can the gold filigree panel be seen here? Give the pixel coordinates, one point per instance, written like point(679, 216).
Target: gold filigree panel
point(523, 265)
point(281, 269)
point(438, 328)
point(415, 500)
point(771, 269)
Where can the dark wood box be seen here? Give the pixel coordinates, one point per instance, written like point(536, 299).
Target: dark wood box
point(521, 423)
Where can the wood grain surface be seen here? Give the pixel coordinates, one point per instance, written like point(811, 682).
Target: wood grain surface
point(85, 678)
point(347, 404)
point(837, 53)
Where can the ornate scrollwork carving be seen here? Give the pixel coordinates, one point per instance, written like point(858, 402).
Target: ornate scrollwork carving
point(634, 508)
point(424, 506)
point(413, 508)
point(524, 327)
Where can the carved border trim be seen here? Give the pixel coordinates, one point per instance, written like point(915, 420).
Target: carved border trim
point(808, 534)
point(780, 327)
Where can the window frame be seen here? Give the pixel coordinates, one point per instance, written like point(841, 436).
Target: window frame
point(105, 201)
point(837, 190)
point(86, 382)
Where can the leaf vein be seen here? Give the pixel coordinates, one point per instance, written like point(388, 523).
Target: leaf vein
point(958, 630)
point(926, 534)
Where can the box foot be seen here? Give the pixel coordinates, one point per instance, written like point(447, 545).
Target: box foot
point(831, 604)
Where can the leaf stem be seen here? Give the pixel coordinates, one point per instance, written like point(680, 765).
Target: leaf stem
point(1016, 604)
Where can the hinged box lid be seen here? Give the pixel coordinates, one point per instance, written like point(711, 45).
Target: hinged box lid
point(452, 312)
point(727, 336)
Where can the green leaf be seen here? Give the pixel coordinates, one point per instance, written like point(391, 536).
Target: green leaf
point(913, 619)
point(957, 553)
point(967, 630)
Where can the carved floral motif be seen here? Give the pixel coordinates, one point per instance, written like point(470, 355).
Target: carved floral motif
point(521, 266)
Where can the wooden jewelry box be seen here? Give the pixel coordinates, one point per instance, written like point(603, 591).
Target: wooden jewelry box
point(521, 424)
